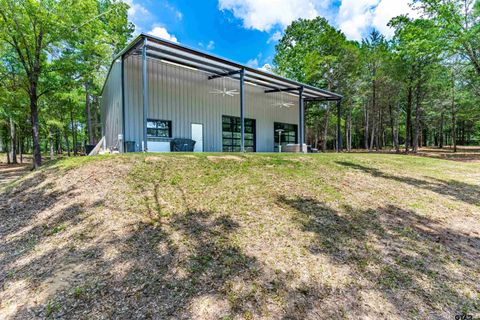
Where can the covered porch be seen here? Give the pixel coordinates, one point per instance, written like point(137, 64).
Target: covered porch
point(146, 48)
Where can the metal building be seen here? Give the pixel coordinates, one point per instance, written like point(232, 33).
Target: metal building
point(158, 90)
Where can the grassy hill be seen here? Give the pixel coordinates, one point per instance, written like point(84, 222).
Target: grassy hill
point(213, 236)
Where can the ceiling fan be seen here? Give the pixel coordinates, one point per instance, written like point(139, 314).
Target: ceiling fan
point(225, 92)
point(283, 104)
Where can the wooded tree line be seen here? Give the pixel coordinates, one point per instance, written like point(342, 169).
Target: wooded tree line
point(54, 56)
point(420, 88)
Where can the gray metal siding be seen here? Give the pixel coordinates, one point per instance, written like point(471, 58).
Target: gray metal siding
point(111, 105)
point(182, 96)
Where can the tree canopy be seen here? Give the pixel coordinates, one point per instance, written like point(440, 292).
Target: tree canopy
point(59, 46)
point(419, 88)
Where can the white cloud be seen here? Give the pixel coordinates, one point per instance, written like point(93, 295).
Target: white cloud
point(161, 32)
point(174, 10)
point(252, 63)
point(136, 10)
point(266, 67)
point(255, 63)
point(263, 15)
point(211, 45)
point(356, 17)
point(388, 9)
point(138, 14)
point(275, 37)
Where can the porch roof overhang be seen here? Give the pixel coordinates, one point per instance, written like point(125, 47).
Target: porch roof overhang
point(217, 67)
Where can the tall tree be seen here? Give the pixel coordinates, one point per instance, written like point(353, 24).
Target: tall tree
point(43, 33)
point(314, 52)
point(416, 42)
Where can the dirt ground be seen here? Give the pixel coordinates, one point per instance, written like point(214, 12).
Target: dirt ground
point(464, 153)
point(323, 236)
point(9, 173)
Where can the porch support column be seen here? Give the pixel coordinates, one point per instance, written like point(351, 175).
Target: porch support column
point(242, 109)
point(122, 145)
point(145, 94)
point(339, 127)
point(301, 119)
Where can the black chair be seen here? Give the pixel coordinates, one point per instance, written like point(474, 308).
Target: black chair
point(182, 145)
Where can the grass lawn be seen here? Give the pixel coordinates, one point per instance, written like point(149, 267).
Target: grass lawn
point(257, 236)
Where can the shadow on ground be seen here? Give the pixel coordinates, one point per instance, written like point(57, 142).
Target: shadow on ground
point(458, 190)
point(190, 264)
point(186, 266)
point(422, 268)
point(10, 172)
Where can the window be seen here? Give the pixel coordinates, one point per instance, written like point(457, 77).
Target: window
point(232, 134)
point(159, 128)
point(289, 134)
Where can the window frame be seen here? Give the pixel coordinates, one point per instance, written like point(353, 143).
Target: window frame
point(235, 135)
point(159, 129)
point(286, 133)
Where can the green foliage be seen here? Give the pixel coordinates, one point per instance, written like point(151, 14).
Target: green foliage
point(421, 87)
point(51, 51)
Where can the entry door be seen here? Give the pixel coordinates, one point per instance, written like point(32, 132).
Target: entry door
point(197, 136)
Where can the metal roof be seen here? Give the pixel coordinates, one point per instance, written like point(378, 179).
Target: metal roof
point(216, 66)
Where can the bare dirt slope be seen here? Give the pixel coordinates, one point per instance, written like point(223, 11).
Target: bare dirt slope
point(243, 237)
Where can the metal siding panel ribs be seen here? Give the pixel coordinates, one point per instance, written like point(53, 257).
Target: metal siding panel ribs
point(182, 96)
point(112, 106)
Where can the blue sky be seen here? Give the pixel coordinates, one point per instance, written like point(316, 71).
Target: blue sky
point(247, 30)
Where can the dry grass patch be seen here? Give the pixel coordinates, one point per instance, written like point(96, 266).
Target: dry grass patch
point(263, 237)
point(217, 159)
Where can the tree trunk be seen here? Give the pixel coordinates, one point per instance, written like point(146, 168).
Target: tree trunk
point(20, 149)
point(454, 125)
point(365, 138)
point(95, 120)
point(58, 142)
point(416, 139)
point(74, 134)
point(349, 129)
point(1, 140)
point(67, 142)
point(52, 145)
point(13, 141)
point(381, 132)
point(440, 138)
point(37, 154)
point(454, 116)
point(393, 125)
point(409, 119)
point(325, 129)
point(7, 152)
point(372, 136)
point(88, 114)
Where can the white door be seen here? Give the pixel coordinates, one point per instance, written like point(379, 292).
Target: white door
point(197, 136)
